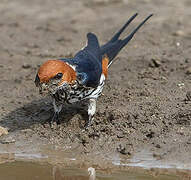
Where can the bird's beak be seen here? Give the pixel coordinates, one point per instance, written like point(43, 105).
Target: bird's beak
point(42, 86)
point(37, 81)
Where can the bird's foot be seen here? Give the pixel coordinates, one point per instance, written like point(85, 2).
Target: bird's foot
point(89, 122)
point(55, 119)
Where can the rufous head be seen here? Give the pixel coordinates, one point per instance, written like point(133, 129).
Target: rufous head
point(54, 72)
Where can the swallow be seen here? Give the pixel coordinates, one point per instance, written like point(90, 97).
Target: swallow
point(71, 80)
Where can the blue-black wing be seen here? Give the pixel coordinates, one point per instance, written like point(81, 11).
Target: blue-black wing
point(88, 62)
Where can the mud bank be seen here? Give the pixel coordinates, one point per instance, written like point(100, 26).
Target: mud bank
point(146, 100)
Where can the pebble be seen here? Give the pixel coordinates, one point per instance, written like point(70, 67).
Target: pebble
point(26, 66)
point(179, 33)
point(158, 146)
point(7, 140)
point(188, 95)
point(123, 150)
point(180, 85)
point(83, 139)
point(120, 135)
point(189, 141)
point(61, 39)
point(155, 62)
point(188, 70)
point(18, 81)
point(157, 156)
point(3, 131)
point(178, 44)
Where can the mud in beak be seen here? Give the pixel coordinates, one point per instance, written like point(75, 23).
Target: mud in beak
point(37, 81)
point(52, 88)
point(43, 89)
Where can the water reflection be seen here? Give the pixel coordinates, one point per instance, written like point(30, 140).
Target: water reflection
point(68, 174)
point(41, 171)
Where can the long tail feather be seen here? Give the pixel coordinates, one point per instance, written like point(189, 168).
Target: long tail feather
point(116, 36)
point(128, 38)
point(113, 47)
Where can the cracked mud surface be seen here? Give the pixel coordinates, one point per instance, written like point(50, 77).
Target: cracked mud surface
point(146, 100)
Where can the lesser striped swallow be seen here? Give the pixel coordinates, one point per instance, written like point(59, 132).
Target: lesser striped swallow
point(82, 77)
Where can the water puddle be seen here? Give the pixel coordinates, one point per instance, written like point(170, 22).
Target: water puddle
point(19, 170)
point(24, 161)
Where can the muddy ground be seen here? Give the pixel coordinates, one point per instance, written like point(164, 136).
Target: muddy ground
point(146, 100)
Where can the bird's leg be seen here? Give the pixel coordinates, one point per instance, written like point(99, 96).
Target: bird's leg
point(91, 111)
point(55, 118)
point(57, 109)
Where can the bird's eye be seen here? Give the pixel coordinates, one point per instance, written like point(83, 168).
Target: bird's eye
point(58, 76)
point(79, 77)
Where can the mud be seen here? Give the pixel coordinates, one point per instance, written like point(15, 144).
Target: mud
point(146, 100)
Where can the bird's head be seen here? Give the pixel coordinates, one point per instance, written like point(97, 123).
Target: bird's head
point(54, 74)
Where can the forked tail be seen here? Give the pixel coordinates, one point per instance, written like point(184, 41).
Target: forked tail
point(113, 47)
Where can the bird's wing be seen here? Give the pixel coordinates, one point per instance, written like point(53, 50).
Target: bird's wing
point(88, 62)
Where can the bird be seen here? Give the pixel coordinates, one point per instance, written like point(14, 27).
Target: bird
point(82, 77)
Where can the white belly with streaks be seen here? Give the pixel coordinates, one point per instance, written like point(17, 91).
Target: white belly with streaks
point(92, 93)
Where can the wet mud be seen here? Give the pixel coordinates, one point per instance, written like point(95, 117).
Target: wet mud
point(146, 100)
